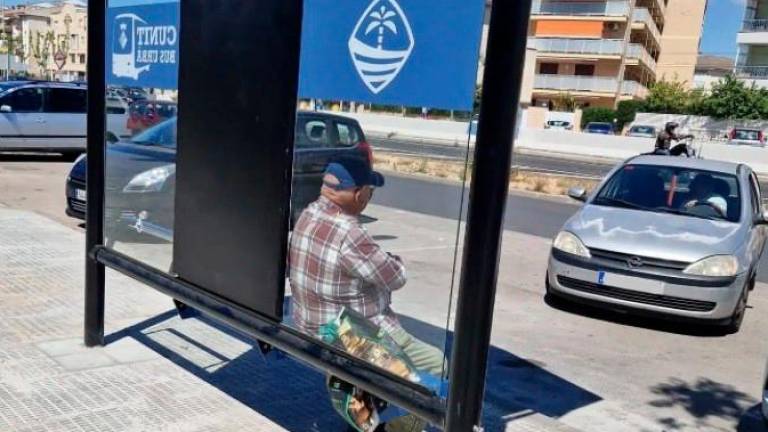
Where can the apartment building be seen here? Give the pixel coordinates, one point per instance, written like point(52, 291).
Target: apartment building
point(69, 24)
point(604, 51)
point(752, 60)
point(41, 31)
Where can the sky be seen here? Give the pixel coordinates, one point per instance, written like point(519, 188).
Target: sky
point(721, 24)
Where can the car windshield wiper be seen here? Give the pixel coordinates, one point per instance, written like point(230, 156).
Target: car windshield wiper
point(144, 142)
point(615, 202)
point(685, 213)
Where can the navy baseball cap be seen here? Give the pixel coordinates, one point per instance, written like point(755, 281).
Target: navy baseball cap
point(353, 173)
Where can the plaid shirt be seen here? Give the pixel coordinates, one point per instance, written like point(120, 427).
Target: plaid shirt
point(334, 263)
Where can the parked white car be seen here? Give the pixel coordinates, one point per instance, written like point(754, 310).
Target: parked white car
point(50, 116)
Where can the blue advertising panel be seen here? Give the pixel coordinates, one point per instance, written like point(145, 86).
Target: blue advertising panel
point(143, 45)
point(395, 52)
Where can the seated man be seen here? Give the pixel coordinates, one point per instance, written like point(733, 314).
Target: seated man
point(335, 264)
point(703, 193)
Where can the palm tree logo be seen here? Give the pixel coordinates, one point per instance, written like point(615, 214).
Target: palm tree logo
point(381, 21)
point(379, 61)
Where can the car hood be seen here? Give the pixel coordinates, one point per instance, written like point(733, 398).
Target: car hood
point(658, 235)
point(124, 161)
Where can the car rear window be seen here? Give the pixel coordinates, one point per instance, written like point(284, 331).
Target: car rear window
point(599, 126)
point(746, 134)
point(559, 123)
point(643, 130)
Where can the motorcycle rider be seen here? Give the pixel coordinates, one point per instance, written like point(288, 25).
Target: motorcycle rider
point(665, 138)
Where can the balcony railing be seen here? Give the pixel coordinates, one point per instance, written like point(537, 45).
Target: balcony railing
point(576, 83)
point(587, 8)
point(634, 88)
point(757, 72)
point(639, 52)
point(579, 46)
point(755, 25)
point(643, 15)
point(593, 84)
point(611, 47)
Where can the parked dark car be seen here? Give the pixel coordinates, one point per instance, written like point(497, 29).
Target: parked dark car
point(141, 172)
point(599, 128)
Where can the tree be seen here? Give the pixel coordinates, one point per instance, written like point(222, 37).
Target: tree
point(733, 99)
point(627, 110)
point(667, 97)
point(564, 102)
point(39, 48)
point(597, 114)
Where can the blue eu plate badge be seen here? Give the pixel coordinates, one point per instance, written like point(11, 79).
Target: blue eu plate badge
point(601, 278)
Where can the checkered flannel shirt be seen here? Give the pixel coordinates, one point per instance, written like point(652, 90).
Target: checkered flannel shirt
point(334, 263)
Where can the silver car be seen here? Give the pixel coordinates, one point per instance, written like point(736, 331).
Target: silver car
point(642, 131)
point(662, 235)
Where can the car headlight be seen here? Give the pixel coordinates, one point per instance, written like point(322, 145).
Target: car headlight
point(718, 265)
point(150, 181)
point(569, 243)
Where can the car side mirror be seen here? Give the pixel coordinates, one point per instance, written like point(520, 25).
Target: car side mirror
point(577, 193)
point(6, 108)
point(762, 219)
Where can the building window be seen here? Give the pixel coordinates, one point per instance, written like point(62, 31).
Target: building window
point(584, 69)
point(72, 58)
point(82, 58)
point(548, 68)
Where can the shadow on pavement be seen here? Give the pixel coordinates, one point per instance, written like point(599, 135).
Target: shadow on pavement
point(629, 319)
point(706, 400)
point(293, 395)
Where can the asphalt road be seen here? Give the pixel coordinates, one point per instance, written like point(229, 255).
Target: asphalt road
point(556, 165)
point(526, 162)
point(528, 214)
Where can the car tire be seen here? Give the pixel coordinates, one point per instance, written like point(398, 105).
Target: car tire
point(734, 324)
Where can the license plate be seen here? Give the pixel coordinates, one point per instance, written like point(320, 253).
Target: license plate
point(80, 195)
point(629, 282)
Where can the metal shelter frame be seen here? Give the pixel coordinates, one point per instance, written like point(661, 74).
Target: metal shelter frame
point(474, 314)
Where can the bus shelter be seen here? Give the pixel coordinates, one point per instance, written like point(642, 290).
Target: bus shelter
point(250, 104)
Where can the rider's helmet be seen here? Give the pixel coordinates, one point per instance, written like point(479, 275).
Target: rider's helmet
point(671, 126)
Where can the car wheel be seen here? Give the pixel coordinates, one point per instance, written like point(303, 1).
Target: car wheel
point(764, 404)
point(734, 325)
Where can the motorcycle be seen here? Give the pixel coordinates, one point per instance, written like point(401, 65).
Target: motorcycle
point(684, 147)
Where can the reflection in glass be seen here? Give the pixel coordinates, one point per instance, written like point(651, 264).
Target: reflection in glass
point(140, 187)
point(374, 241)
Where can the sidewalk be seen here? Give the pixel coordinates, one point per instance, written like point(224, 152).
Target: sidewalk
point(157, 373)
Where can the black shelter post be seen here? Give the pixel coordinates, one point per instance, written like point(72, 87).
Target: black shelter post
point(505, 59)
point(94, 219)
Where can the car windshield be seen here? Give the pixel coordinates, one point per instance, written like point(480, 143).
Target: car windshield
point(642, 130)
point(599, 126)
point(163, 134)
point(682, 191)
point(746, 134)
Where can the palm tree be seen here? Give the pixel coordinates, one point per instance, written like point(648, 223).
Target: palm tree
point(381, 21)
